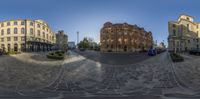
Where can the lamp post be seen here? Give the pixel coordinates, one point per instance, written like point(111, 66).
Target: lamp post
point(77, 38)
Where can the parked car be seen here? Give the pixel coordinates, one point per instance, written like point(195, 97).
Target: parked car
point(194, 52)
point(82, 49)
point(152, 52)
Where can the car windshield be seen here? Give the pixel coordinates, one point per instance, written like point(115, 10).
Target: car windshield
point(99, 49)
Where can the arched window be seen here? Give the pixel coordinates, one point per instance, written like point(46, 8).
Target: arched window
point(8, 31)
point(31, 31)
point(47, 36)
point(2, 32)
point(15, 30)
point(22, 30)
point(43, 35)
point(38, 32)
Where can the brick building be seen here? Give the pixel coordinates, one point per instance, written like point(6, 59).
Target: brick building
point(124, 38)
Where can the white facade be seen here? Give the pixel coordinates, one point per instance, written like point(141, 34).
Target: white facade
point(183, 34)
point(29, 35)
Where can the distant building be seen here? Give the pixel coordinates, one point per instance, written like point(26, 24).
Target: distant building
point(26, 35)
point(61, 40)
point(71, 45)
point(161, 45)
point(124, 38)
point(183, 34)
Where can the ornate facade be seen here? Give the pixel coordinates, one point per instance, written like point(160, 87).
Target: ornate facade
point(183, 34)
point(124, 38)
point(26, 35)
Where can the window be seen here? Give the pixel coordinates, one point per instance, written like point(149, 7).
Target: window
point(22, 31)
point(188, 18)
point(15, 23)
point(47, 30)
point(22, 23)
point(173, 25)
point(8, 31)
point(197, 26)
point(174, 32)
point(8, 39)
point(15, 30)
point(125, 33)
point(38, 25)
point(22, 39)
point(2, 32)
point(2, 24)
point(111, 46)
point(15, 38)
point(188, 41)
point(43, 28)
point(2, 39)
point(47, 36)
point(197, 33)
point(8, 23)
point(38, 32)
point(43, 35)
point(197, 40)
point(2, 45)
point(31, 31)
point(31, 23)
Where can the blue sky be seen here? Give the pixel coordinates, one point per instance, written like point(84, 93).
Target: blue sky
point(88, 16)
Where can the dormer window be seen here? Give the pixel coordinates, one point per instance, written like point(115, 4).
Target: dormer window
point(188, 18)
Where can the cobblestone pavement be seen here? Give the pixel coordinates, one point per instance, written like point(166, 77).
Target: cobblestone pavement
point(154, 78)
point(114, 58)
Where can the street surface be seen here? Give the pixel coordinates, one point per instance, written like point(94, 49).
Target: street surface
point(150, 78)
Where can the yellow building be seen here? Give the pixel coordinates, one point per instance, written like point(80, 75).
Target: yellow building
point(183, 34)
point(26, 35)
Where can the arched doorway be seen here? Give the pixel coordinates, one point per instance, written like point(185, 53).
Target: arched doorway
point(9, 48)
point(15, 47)
point(125, 48)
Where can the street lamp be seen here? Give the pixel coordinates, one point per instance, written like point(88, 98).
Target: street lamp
point(77, 38)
